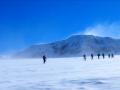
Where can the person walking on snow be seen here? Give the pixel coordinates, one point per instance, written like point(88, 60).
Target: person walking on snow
point(92, 56)
point(44, 59)
point(109, 55)
point(84, 56)
point(98, 55)
point(103, 55)
point(112, 55)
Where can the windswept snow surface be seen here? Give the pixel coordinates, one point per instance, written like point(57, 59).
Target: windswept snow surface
point(60, 74)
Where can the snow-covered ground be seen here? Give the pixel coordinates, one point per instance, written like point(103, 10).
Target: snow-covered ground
point(60, 74)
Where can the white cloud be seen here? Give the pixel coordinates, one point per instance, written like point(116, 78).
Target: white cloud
point(104, 30)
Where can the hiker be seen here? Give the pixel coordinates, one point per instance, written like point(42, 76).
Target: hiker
point(103, 55)
point(84, 56)
point(98, 55)
point(109, 55)
point(92, 56)
point(112, 55)
point(44, 59)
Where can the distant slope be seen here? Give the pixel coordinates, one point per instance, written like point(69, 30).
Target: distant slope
point(75, 45)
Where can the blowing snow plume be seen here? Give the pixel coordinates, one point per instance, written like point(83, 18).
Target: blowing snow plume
point(104, 30)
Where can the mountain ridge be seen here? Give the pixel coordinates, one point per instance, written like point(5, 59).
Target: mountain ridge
point(74, 46)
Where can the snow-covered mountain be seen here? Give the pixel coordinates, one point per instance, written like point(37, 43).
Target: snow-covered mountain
point(73, 46)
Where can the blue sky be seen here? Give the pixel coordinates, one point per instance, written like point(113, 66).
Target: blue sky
point(27, 22)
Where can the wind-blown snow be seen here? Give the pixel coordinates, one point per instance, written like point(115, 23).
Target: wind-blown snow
point(60, 74)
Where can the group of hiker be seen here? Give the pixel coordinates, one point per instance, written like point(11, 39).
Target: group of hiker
point(85, 56)
point(98, 56)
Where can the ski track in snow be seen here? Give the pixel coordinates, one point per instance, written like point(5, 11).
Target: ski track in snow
point(60, 74)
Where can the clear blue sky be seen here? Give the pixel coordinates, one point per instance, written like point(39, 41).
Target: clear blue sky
point(25, 22)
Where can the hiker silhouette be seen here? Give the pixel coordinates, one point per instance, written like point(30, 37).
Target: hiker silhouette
point(98, 55)
point(109, 55)
point(103, 55)
point(112, 55)
point(84, 56)
point(92, 56)
point(44, 59)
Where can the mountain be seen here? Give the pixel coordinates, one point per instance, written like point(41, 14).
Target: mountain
point(73, 46)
